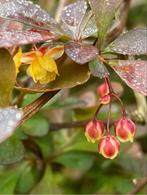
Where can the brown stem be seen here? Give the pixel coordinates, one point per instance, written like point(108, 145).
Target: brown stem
point(70, 125)
point(121, 103)
point(109, 118)
point(113, 94)
point(20, 99)
point(112, 35)
point(107, 79)
point(34, 107)
point(97, 111)
point(139, 186)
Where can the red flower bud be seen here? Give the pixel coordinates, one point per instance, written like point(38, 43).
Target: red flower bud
point(109, 147)
point(125, 129)
point(94, 130)
point(103, 89)
point(106, 99)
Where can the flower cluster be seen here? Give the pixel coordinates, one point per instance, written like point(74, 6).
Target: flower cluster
point(124, 128)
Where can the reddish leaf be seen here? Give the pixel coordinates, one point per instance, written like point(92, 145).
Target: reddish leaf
point(134, 73)
point(26, 12)
point(72, 17)
point(12, 38)
point(133, 42)
point(10, 25)
point(81, 53)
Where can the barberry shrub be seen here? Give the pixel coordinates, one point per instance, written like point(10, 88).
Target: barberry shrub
point(70, 72)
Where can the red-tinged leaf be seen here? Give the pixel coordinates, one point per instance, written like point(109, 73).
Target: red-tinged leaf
point(134, 73)
point(26, 12)
point(13, 38)
point(10, 25)
point(104, 11)
point(133, 42)
point(72, 17)
point(80, 53)
point(9, 119)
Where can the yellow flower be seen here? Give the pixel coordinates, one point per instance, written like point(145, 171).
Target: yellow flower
point(17, 60)
point(42, 66)
point(43, 69)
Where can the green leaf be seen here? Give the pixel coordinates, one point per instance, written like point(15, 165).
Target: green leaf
point(76, 160)
point(47, 184)
point(7, 77)
point(9, 177)
point(46, 144)
point(80, 143)
point(11, 151)
point(98, 69)
point(8, 180)
point(36, 126)
point(104, 12)
point(70, 75)
point(27, 179)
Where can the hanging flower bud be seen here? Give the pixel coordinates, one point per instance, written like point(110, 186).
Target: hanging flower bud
point(94, 130)
point(105, 100)
point(109, 147)
point(125, 129)
point(103, 90)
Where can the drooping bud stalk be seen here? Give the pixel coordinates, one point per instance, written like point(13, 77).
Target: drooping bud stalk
point(109, 147)
point(125, 129)
point(94, 130)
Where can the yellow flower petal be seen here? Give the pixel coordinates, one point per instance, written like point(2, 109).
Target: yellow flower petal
point(42, 68)
point(51, 76)
point(17, 60)
point(36, 71)
point(48, 64)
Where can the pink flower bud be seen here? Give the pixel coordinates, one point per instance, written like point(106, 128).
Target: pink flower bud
point(103, 89)
point(109, 147)
point(94, 130)
point(125, 129)
point(105, 100)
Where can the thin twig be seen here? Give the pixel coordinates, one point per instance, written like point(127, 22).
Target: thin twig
point(139, 186)
point(70, 125)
